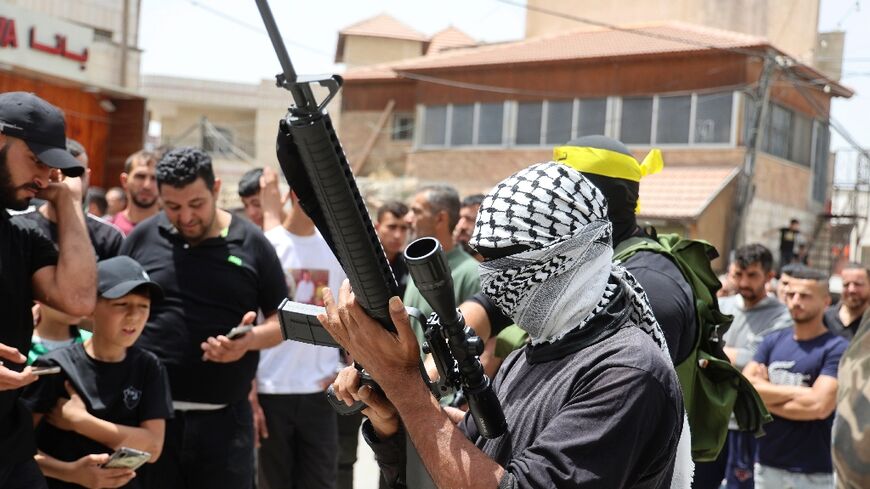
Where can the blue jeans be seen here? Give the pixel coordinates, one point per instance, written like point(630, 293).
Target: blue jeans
point(734, 464)
point(205, 450)
point(774, 478)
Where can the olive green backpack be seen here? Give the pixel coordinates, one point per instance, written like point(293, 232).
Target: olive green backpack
point(712, 387)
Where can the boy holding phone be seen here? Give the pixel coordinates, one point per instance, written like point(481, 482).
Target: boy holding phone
point(109, 394)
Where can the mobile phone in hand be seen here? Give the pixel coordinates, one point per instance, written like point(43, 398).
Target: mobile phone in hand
point(239, 330)
point(45, 370)
point(127, 458)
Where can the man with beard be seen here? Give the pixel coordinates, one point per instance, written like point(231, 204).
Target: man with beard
point(756, 315)
point(593, 401)
point(105, 237)
point(843, 318)
point(32, 142)
point(794, 371)
point(216, 272)
point(140, 183)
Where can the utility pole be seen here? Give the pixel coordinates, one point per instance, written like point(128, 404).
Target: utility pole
point(745, 185)
point(125, 28)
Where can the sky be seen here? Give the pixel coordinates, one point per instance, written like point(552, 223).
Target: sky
point(225, 39)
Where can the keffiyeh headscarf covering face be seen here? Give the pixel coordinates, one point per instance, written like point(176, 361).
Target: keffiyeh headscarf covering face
point(550, 227)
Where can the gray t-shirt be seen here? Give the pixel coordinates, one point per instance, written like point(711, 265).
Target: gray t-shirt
point(750, 326)
point(609, 415)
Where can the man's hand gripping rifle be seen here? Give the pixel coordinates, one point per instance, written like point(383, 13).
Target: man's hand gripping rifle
point(314, 164)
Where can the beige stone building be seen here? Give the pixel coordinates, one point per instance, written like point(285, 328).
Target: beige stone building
point(237, 123)
point(82, 56)
point(791, 26)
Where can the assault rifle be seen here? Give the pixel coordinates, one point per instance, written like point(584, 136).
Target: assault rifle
point(316, 168)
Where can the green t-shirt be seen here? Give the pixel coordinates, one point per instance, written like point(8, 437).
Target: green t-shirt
point(466, 283)
point(38, 347)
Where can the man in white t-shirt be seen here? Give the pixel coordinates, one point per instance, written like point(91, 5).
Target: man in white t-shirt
point(300, 446)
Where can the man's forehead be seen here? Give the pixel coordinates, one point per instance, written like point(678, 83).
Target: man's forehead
point(194, 189)
point(854, 275)
point(751, 268)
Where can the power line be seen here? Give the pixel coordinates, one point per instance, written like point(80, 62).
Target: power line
point(253, 28)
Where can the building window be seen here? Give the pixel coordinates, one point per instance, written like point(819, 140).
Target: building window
point(673, 119)
point(462, 125)
point(801, 140)
point(102, 35)
point(821, 153)
point(529, 118)
point(591, 117)
point(435, 125)
point(713, 118)
point(560, 115)
point(490, 124)
point(778, 131)
point(403, 127)
point(636, 120)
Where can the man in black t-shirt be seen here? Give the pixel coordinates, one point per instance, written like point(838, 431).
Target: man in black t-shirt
point(788, 238)
point(843, 318)
point(32, 142)
point(105, 237)
point(110, 394)
point(216, 271)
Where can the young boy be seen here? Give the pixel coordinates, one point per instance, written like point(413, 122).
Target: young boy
point(109, 394)
point(53, 329)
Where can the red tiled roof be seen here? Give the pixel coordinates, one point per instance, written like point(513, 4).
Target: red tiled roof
point(682, 192)
point(448, 38)
point(584, 43)
point(383, 25)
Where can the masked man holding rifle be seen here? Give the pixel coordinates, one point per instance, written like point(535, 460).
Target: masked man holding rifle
point(592, 401)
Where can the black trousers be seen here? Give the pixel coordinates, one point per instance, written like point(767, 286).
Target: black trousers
point(205, 450)
point(302, 449)
point(22, 475)
point(348, 438)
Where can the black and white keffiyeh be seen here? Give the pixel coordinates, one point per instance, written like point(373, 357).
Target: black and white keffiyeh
point(549, 226)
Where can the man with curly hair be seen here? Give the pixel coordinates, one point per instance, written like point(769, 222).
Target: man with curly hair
point(217, 272)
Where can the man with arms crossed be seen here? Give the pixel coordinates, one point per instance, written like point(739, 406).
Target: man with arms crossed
point(32, 142)
point(216, 272)
point(795, 373)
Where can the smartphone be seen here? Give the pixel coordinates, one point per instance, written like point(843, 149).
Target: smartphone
point(239, 330)
point(45, 370)
point(127, 458)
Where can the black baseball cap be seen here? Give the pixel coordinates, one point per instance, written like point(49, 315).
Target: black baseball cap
point(41, 126)
point(119, 275)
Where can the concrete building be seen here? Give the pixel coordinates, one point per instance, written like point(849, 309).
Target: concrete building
point(82, 56)
point(791, 26)
point(235, 122)
point(471, 116)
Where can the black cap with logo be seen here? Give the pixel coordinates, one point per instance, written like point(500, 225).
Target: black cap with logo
point(119, 275)
point(41, 126)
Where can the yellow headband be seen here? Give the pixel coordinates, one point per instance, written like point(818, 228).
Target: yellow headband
point(609, 163)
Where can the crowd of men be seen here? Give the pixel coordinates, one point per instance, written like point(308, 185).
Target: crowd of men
point(127, 332)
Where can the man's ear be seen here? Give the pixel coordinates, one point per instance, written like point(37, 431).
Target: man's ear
point(216, 190)
point(124, 180)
